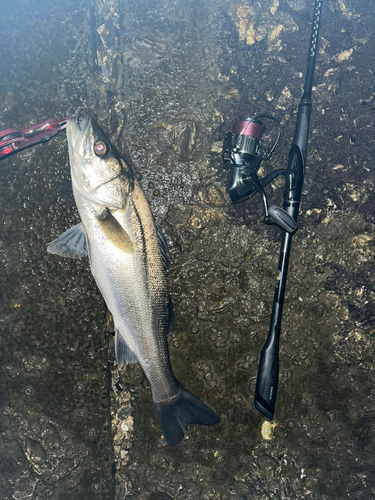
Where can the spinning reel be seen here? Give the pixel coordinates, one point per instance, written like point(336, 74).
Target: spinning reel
point(243, 152)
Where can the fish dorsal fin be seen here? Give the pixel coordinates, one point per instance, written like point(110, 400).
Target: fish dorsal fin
point(165, 256)
point(171, 317)
point(123, 353)
point(164, 250)
point(71, 244)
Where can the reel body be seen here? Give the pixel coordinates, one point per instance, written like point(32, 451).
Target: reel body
point(243, 153)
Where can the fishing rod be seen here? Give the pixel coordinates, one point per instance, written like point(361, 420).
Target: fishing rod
point(243, 152)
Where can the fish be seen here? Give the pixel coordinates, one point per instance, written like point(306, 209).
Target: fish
point(128, 259)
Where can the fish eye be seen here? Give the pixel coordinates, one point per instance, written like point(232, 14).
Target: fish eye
point(101, 148)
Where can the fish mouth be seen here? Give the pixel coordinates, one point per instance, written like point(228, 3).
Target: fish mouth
point(78, 134)
point(92, 176)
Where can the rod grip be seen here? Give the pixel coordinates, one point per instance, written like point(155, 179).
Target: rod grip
point(268, 371)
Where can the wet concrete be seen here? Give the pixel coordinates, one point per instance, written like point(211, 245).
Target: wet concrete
point(167, 79)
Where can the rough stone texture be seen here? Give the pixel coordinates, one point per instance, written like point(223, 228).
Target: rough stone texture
point(167, 79)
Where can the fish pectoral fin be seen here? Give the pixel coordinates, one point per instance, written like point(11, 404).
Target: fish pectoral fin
point(123, 352)
point(114, 232)
point(71, 244)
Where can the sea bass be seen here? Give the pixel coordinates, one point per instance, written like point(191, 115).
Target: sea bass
point(128, 258)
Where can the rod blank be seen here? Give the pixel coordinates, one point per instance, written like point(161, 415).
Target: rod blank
point(268, 371)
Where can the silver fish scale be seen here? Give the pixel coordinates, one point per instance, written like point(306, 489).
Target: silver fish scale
point(127, 260)
point(140, 309)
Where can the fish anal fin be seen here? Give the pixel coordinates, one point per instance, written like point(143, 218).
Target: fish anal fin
point(72, 243)
point(123, 353)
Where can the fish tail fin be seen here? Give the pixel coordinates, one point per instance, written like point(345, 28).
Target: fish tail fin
point(180, 411)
